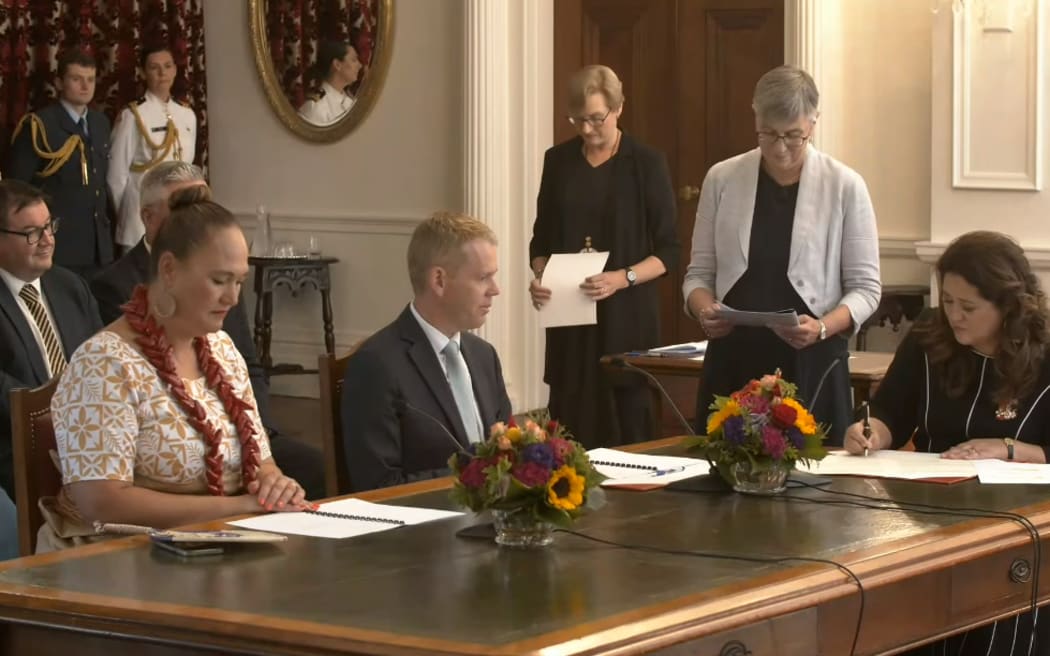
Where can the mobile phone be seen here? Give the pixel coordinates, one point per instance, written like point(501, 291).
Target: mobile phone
point(190, 549)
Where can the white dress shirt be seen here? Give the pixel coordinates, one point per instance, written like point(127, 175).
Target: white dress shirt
point(327, 109)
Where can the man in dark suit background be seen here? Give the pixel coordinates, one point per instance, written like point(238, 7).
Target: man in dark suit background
point(113, 286)
point(64, 150)
point(422, 387)
point(46, 312)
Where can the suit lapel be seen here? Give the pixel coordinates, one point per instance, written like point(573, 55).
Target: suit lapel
point(805, 207)
point(13, 313)
point(745, 198)
point(425, 360)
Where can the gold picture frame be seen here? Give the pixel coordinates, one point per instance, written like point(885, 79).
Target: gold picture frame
point(366, 97)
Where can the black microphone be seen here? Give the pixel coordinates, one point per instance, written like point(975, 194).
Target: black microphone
point(824, 376)
point(401, 405)
point(619, 361)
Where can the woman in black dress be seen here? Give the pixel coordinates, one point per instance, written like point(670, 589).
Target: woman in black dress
point(784, 227)
point(972, 381)
point(603, 190)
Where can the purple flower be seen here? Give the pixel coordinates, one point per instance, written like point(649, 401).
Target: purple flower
point(774, 443)
point(794, 436)
point(541, 454)
point(733, 429)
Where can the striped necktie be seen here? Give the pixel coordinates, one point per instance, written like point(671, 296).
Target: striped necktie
point(55, 358)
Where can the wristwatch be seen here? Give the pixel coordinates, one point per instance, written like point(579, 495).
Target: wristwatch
point(1009, 442)
point(632, 277)
point(823, 330)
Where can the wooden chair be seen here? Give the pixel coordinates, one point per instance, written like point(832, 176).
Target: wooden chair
point(33, 439)
point(330, 372)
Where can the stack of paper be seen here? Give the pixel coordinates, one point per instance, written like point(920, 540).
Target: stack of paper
point(686, 350)
point(1014, 473)
point(638, 471)
point(343, 519)
point(893, 464)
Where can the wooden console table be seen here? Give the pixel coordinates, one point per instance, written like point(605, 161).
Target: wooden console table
point(898, 302)
point(293, 273)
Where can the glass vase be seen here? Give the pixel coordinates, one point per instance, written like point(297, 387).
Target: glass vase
point(762, 477)
point(520, 530)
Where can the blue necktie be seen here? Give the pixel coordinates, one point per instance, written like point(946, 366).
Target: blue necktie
point(461, 391)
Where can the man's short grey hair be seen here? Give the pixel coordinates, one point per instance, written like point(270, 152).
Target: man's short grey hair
point(784, 95)
point(157, 179)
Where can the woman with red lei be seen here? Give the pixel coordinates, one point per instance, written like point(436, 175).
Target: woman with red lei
point(155, 420)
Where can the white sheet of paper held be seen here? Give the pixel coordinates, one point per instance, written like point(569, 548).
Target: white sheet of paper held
point(568, 305)
point(759, 319)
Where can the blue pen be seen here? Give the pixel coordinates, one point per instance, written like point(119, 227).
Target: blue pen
point(672, 470)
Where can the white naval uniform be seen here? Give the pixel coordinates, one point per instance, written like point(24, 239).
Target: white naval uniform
point(327, 109)
point(128, 147)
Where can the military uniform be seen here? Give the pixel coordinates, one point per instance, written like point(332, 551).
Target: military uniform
point(148, 131)
point(329, 107)
point(51, 152)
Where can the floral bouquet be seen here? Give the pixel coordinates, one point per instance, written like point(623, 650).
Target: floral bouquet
point(534, 473)
point(757, 434)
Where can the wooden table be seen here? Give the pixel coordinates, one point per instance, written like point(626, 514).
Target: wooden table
point(422, 590)
point(866, 370)
point(294, 274)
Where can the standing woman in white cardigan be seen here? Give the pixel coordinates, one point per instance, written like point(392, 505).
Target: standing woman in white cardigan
point(784, 226)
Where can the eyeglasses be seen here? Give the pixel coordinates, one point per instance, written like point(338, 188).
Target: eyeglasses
point(34, 235)
point(791, 140)
point(593, 121)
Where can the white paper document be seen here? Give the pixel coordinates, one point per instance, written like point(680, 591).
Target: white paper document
point(686, 350)
point(625, 468)
point(569, 305)
point(1000, 472)
point(345, 518)
point(760, 319)
point(892, 464)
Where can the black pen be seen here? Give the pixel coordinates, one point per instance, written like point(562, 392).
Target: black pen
point(867, 427)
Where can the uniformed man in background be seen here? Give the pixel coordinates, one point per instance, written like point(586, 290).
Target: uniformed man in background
point(153, 129)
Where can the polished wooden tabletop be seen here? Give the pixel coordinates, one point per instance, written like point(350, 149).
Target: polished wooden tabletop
point(421, 589)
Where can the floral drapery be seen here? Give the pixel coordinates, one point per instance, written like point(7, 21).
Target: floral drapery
point(294, 28)
point(33, 32)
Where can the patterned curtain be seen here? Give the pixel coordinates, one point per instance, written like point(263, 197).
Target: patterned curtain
point(294, 28)
point(33, 32)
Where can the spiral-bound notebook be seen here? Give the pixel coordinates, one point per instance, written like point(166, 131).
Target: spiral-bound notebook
point(345, 518)
point(639, 471)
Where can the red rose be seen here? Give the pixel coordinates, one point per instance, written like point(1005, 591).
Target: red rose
point(784, 415)
point(473, 475)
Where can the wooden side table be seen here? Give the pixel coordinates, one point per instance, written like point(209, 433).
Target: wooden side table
point(898, 302)
point(293, 273)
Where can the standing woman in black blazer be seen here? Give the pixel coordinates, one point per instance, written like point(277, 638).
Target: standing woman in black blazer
point(606, 191)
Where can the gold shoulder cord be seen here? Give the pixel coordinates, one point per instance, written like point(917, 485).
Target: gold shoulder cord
point(56, 158)
point(161, 150)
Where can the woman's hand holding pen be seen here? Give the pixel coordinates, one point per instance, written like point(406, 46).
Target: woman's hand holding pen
point(856, 442)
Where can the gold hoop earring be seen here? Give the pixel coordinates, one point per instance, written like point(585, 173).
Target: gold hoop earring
point(164, 304)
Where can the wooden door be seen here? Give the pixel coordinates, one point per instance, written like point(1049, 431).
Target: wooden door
point(688, 68)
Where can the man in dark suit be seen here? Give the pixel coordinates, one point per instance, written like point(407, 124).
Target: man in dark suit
point(423, 387)
point(46, 312)
point(64, 150)
point(113, 286)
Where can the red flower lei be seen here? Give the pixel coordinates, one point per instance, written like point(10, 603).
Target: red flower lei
point(154, 344)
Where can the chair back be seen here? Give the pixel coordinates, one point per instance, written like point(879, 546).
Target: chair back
point(33, 440)
point(330, 372)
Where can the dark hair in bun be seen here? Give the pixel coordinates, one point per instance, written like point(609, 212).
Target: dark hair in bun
point(195, 217)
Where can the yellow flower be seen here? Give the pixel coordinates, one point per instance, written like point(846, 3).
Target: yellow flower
point(804, 422)
point(514, 434)
point(730, 409)
point(565, 489)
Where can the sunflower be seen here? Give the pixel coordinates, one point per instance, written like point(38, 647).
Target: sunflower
point(730, 409)
point(804, 422)
point(565, 489)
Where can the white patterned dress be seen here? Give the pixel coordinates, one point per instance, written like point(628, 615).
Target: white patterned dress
point(115, 419)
